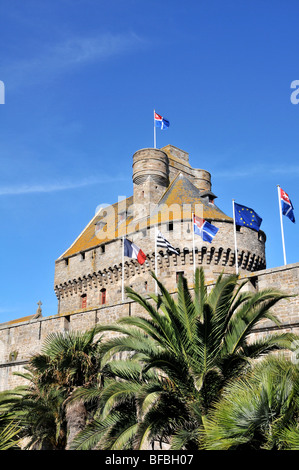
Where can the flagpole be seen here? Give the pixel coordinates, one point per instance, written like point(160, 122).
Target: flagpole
point(154, 132)
point(281, 225)
point(123, 271)
point(235, 237)
point(192, 225)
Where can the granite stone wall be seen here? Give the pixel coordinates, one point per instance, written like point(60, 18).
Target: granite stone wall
point(18, 341)
point(88, 275)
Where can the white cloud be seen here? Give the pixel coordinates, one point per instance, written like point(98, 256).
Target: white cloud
point(15, 190)
point(54, 59)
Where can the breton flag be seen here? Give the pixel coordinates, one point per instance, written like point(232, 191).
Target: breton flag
point(133, 251)
point(203, 228)
point(163, 243)
point(286, 205)
point(160, 121)
point(244, 216)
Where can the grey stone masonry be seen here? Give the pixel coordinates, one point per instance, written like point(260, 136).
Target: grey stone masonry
point(91, 274)
point(19, 340)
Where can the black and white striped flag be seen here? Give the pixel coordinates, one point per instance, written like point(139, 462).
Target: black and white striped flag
point(163, 243)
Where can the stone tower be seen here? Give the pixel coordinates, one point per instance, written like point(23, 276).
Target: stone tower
point(90, 273)
point(150, 179)
point(166, 191)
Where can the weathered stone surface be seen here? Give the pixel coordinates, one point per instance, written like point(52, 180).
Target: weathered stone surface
point(88, 276)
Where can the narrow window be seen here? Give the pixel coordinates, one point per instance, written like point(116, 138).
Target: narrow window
point(66, 261)
point(178, 274)
point(103, 296)
point(170, 226)
point(82, 255)
point(83, 301)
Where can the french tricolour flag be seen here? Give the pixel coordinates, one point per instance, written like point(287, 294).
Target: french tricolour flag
point(203, 228)
point(133, 251)
point(160, 121)
point(286, 205)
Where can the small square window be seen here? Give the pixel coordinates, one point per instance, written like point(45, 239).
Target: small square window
point(178, 274)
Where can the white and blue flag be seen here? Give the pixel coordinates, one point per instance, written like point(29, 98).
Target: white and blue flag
point(160, 121)
point(203, 228)
point(286, 205)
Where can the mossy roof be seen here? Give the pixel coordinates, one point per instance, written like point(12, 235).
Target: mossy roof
point(181, 196)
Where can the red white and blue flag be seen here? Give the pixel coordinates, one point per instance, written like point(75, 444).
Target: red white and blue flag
point(286, 205)
point(203, 228)
point(160, 121)
point(133, 251)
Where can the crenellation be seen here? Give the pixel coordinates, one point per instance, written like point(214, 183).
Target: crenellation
point(89, 274)
point(26, 338)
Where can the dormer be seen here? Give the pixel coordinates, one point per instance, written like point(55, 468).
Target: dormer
point(207, 197)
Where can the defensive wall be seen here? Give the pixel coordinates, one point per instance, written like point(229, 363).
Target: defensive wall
point(20, 339)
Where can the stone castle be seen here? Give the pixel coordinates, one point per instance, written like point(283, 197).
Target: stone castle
point(91, 274)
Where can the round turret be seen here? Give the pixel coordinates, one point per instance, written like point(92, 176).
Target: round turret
point(150, 162)
point(202, 179)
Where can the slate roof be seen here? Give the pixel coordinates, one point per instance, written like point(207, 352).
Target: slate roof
point(179, 193)
point(182, 192)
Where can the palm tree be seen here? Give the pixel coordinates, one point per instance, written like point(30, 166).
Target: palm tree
point(259, 411)
point(38, 410)
point(9, 433)
point(70, 360)
point(49, 412)
point(179, 358)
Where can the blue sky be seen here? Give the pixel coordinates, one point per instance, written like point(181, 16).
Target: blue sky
point(82, 79)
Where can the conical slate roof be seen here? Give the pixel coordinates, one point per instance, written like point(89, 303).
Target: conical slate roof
point(181, 196)
point(183, 192)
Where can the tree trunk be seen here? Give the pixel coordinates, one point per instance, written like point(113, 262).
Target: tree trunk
point(76, 419)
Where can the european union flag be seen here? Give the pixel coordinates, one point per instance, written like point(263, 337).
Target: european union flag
point(247, 217)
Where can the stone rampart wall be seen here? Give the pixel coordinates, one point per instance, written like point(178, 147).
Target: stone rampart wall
point(99, 270)
point(18, 341)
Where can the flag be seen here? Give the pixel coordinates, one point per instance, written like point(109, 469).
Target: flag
point(163, 243)
point(133, 251)
point(203, 228)
point(160, 121)
point(247, 217)
point(286, 205)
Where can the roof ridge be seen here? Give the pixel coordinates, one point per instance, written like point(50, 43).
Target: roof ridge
point(170, 185)
point(89, 224)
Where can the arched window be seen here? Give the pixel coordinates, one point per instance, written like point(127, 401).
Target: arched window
point(103, 296)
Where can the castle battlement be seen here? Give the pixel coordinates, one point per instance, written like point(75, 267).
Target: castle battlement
point(166, 192)
point(90, 274)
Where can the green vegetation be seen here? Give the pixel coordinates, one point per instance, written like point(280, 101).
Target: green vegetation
point(187, 374)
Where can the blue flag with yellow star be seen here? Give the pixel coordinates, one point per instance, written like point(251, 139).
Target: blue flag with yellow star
point(247, 217)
